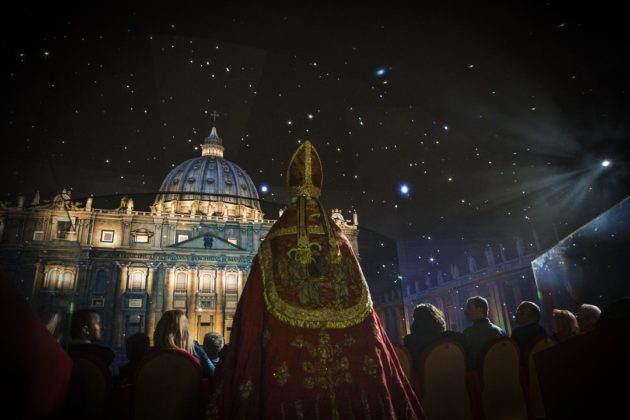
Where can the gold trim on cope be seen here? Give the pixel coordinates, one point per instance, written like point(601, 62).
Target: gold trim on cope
point(326, 317)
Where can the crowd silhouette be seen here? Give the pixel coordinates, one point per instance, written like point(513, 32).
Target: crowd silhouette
point(579, 369)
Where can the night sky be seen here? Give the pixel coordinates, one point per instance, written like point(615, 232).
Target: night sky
point(496, 116)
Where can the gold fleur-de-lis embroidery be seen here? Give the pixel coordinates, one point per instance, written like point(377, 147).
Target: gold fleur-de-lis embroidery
point(246, 389)
point(370, 368)
point(282, 374)
point(327, 368)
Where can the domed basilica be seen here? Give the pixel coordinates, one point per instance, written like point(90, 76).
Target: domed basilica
point(192, 251)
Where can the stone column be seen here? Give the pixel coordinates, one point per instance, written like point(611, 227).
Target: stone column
point(150, 323)
point(220, 307)
point(39, 278)
point(191, 301)
point(169, 287)
point(125, 231)
point(83, 284)
point(117, 337)
point(240, 282)
point(243, 242)
point(158, 291)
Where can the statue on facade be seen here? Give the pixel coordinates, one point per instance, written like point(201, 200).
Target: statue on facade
point(520, 247)
point(472, 264)
point(489, 256)
point(454, 271)
point(129, 205)
point(20, 201)
point(36, 199)
point(63, 200)
point(440, 278)
point(123, 204)
point(427, 280)
point(536, 241)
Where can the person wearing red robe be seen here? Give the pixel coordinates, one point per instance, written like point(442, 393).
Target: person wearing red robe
point(306, 342)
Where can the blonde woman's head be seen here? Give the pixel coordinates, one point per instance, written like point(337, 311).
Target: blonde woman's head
point(171, 332)
point(564, 323)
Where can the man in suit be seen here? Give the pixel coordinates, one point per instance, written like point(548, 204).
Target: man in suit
point(482, 330)
point(527, 318)
point(86, 332)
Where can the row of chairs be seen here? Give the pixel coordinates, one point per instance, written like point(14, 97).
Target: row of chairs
point(168, 384)
point(503, 387)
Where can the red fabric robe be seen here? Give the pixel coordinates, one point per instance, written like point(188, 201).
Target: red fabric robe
point(277, 371)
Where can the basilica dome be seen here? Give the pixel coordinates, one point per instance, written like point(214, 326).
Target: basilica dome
point(208, 184)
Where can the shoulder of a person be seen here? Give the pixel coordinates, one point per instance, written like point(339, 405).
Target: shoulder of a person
point(453, 335)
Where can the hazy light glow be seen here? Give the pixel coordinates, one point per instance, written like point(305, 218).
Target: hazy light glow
point(404, 189)
point(606, 163)
point(264, 188)
point(380, 72)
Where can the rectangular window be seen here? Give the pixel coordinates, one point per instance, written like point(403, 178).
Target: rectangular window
point(141, 238)
point(38, 235)
point(98, 303)
point(135, 303)
point(107, 236)
point(182, 236)
point(63, 229)
point(233, 241)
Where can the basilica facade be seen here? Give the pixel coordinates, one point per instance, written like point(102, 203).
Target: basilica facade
point(192, 251)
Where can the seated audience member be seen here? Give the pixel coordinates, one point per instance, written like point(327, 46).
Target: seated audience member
point(615, 314)
point(213, 344)
point(527, 318)
point(482, 331)
point(587, 317)
point(564, 325)
point(428, 326)
point(86, 331)
point(136, 346)
point(171, 332)
point(200, 353)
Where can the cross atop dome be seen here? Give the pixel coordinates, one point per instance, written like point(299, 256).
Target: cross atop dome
point(213, 144)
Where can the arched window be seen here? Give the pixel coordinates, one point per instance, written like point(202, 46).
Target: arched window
point(137, 280)
point(68, 280)
point(100, 285)
point(180, 283)
point(207, 282)
point(51, 279)
point(231, 283)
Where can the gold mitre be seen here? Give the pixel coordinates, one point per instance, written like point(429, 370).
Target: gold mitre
point(305, 174)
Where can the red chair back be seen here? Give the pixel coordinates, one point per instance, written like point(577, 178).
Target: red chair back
point(442, 377)
point(35, 367)
point(534, 395)
point(404, 357)
point(167, 386)
point(91, 387)
point(502, 394)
